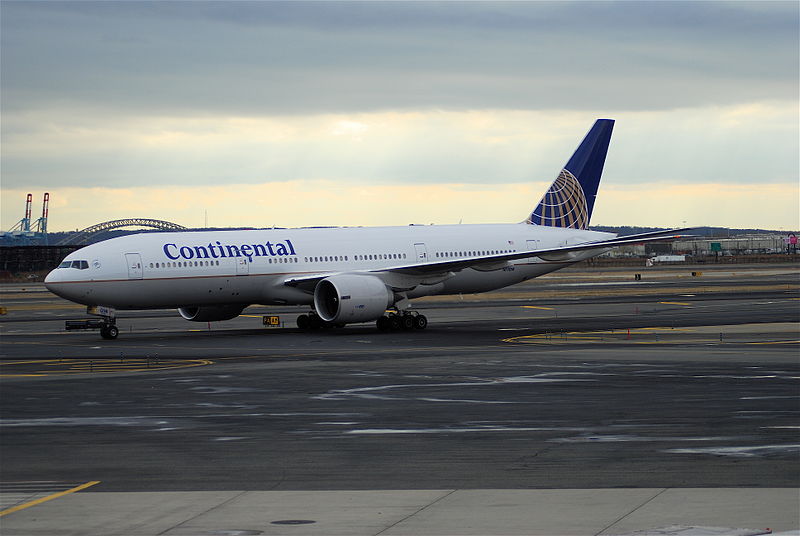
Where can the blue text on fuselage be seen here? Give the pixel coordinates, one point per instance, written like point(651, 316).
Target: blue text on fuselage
point(220, 251)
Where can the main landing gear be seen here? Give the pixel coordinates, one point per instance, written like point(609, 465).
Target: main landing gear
point(391, 322)
point(404, 321)
point(312, 321)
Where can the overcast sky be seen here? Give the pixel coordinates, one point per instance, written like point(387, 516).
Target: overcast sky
point(369, 113)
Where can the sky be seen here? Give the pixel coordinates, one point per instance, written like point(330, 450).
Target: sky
point(387, 113)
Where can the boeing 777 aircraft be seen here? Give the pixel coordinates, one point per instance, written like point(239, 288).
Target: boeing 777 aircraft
point(348, 274)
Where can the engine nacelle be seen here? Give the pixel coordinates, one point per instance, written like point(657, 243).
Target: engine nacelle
point(211, 313)
point(351, 298)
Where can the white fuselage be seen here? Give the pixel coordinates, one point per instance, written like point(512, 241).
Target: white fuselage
point(166, 270)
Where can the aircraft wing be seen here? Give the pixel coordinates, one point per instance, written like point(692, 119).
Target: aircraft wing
point(496, 262)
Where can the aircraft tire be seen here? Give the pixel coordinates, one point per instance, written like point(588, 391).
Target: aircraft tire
point(303, 322)
point(109, 332)
point(407, 322)
point(383, 323)
point(420, 322)
point(314, 322)
point(394, 322)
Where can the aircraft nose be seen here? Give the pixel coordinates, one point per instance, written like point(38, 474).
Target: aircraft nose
point(51, 280)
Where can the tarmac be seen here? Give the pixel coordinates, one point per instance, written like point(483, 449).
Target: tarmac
point(578, 403)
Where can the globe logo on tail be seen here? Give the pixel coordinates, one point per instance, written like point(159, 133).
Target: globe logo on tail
point(563, 205)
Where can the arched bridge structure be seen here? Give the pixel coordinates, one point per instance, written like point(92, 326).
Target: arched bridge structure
point(85, 235)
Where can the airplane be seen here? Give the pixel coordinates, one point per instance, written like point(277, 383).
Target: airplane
point(345, 274)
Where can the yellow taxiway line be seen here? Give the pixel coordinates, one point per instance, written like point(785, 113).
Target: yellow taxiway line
point(47, 498)
point(61, 367)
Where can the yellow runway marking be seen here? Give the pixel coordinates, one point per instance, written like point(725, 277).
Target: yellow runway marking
point(44, 307)
point(48, 498)
point(535, 307)
point(54, 367)
point(659, 329)
point(651, 335)
point(775, 342)
point(674, 303)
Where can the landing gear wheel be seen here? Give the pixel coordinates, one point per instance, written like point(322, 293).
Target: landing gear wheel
point(394, 322)
point(109, 332)
point(303, 322)
point(314, 322)
point(383, 323)
point(407, 322)
point(420, 322)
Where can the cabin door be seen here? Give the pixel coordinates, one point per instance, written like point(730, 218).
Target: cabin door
point(134, 261)
point(422, 252)
point(242, 266)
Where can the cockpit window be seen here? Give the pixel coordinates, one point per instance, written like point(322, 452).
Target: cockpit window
point(80, 265)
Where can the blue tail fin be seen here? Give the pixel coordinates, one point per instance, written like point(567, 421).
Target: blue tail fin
point(570, 199)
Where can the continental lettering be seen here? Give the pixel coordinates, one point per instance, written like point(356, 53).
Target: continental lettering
point(218, 250)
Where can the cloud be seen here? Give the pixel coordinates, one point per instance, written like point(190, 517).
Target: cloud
point(741, 144)
point(219, 102)
point(273, 58)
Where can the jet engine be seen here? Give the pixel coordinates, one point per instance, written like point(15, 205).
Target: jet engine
point(211, 313)
point(350, 298)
